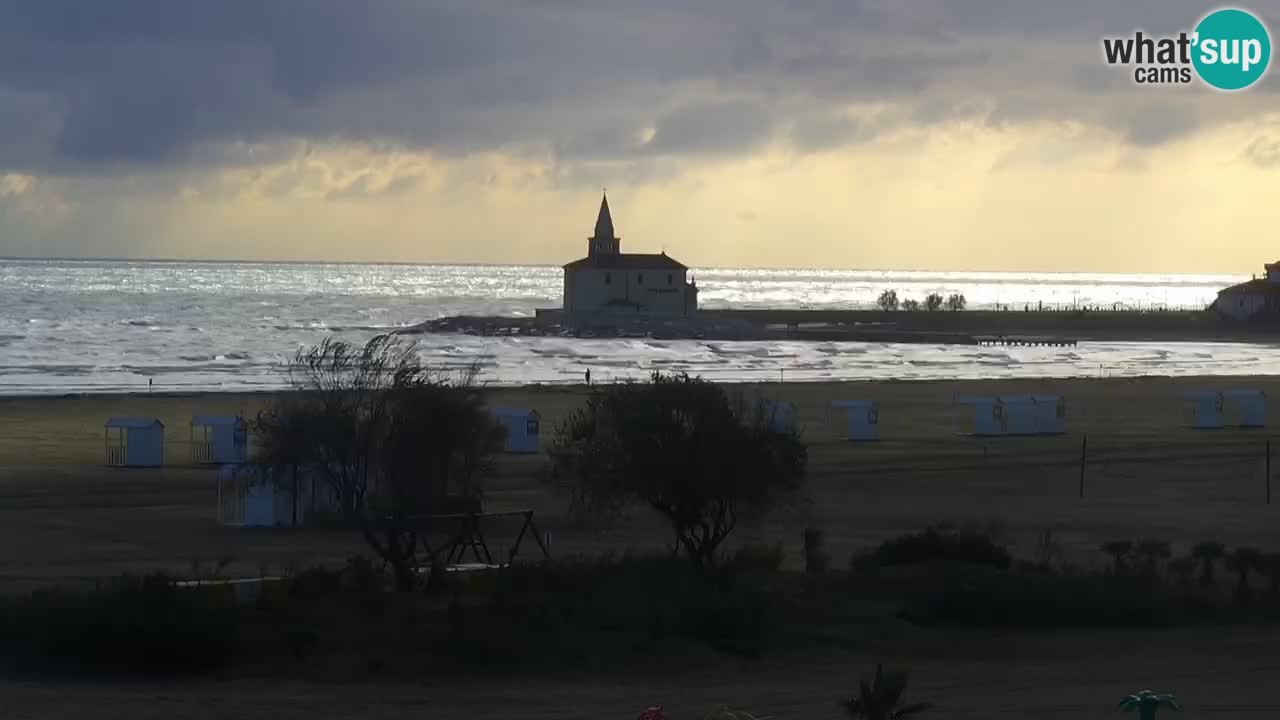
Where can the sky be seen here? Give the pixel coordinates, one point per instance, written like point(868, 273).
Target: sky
point(895, 134)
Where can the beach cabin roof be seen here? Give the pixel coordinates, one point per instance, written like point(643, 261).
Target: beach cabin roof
point(627, 261)
point(514, 412)
point(216, 420)
point(133, 422)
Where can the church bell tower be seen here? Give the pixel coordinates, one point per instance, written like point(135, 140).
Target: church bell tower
point(603, 241)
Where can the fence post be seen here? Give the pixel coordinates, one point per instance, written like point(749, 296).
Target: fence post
point(1084, 451)
point(1268, 472)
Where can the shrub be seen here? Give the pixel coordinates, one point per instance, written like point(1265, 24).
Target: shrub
point(758, 557)
point(646, 598)
point(934, 545)
point(816, 557)
point(138, 624)
point(987, 597)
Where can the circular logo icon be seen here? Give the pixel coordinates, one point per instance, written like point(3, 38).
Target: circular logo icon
point(1232, 49)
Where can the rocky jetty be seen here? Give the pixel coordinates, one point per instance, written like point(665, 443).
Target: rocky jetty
point(557, 325)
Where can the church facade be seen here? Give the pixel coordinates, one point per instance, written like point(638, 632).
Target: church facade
point(610, 282)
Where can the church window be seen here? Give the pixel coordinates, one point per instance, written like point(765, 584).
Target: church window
point(608, 279)
point(668, 278)
point(640, 278)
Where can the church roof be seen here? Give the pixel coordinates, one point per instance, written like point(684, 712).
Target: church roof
point(604, 220)
point(1257, 286)
point(627, 261)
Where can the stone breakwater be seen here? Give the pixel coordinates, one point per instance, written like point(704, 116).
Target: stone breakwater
point(951, 328)
point(557, 325)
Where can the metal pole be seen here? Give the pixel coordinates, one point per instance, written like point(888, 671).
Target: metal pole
point(1084, 452)
point(1268, 472)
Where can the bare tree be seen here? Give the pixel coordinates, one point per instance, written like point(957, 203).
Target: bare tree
point(911, 305)
point(388, 436)
point(933, 302)
point(956, 301)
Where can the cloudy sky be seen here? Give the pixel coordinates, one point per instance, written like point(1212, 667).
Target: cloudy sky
point(929, 134)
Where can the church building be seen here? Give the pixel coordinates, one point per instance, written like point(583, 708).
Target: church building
point(609, 281)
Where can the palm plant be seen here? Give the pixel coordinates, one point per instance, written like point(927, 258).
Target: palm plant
point(882, 698)
point(1208, 553)
point(1153, 552)
point(1271, 568)
point(1242, 560)
point(1146, 703)
point(1118, 550)
point(1181, 569)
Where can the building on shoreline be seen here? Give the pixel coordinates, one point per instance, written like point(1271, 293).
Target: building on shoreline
point(608, 282)
point(1248, 300)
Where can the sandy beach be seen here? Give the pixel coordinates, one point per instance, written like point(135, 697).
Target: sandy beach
point(74, 519)
point(1146, 475)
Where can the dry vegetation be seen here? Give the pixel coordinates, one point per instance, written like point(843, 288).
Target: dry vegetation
point(1147, 477)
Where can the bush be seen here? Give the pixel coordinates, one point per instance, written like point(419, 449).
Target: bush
point(646, 598)
point(988, 597)
point(816, 558)
point(934, 545)
point(758, 557)
point(138, 624)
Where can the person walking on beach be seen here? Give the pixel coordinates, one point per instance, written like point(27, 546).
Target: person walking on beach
point(588, 376)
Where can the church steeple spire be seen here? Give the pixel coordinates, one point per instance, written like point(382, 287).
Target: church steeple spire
point(603, 241)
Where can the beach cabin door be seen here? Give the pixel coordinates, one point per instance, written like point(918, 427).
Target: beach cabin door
point(1207, 410)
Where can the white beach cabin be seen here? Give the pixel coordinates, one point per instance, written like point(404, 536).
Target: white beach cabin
point(1206, 408)
point(219, 439)
point(1020, 414)
point(248, 498)
point(861, 419)
point(779, 415)
point(135, 442)
point(1248, 408)
point(987, 414)
point(522, 429)
point(1051, 414)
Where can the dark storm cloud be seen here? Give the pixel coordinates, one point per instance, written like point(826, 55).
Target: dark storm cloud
point(711, 127)
point(91, 87)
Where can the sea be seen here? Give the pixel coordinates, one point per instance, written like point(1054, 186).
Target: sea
point(109, 326)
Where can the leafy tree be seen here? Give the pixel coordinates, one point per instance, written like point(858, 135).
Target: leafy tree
point(1208, 553)
point(1243, 560)
point(888, 300)
point(678, 445)
point(1119, 550)
point(883, 698)
point(933, 302)
point(1146, 703)
point(911, 305)
point(956, 301)
point(387, 435)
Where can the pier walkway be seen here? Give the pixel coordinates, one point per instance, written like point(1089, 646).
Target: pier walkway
point(1025, 341)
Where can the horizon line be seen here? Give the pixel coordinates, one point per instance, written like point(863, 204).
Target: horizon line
point(409, 263)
